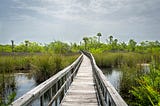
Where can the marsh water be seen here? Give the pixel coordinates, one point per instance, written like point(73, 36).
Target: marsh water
point(113, 75)
point(24, 83)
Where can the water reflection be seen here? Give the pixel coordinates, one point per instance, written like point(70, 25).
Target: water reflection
point(7, 86)
point(20, 83)
point(113, 75)
point(24, 83)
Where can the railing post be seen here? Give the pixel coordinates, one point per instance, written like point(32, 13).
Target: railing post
point(56, 101)
point(106, 96)
point(69, 80)
point(42, 100)
point(50, 93)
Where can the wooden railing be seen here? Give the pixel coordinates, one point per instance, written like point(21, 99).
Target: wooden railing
point(52, 90)
point(106, 93)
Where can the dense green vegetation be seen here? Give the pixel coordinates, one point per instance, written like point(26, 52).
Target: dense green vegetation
point(137, 86)
point(147, 92)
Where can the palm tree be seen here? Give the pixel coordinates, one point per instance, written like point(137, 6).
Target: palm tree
point(12, 41)
point(132, 44)
point(99, 35)
point(110, 39)
point(26, 44)
point(85, 41)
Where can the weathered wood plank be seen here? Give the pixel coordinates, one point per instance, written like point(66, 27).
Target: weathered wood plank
point(80, 100)
point(79, 104)
point(91, 96)
point(82, 91)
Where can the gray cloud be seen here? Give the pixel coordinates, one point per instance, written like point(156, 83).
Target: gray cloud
point(70, 20)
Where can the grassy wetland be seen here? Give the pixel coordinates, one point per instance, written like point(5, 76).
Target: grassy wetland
point(138, 86)
point(41, 65)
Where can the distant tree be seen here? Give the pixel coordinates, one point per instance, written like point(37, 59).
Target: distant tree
point(115, 44)
point(85, 39)
point(99, 35)
point(142, 46)
point(123, 46)
point(59, 47)
point(35, 47)
point(26, 44)
point(157, 43)
point(116, 41)
point(12, 41)
point(132, 45)
point(110, 39)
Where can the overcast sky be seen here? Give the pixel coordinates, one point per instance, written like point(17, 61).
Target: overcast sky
point(70, 20)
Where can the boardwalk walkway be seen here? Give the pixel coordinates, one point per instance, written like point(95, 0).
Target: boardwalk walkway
point(80, 84)
point(82, 91)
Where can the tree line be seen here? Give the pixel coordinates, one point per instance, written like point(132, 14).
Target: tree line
point(92, 44)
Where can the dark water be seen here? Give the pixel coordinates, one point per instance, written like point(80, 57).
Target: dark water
point(113, 75)
point(24, 83)
point(20, 83)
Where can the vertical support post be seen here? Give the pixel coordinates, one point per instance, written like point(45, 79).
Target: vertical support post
point(67, 81)
point(56, 104)
point(56, 100)
point(50, 93)
point(42, 100)
point(65, 84)
point(105, 97)
point(70, 79)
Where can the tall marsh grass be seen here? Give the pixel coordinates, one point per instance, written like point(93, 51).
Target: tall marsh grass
point(117, 59)
point(42, 66)
point(45, 66)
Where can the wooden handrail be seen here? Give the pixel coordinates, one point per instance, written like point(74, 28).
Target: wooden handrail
point(60, 81)
point(107, 94)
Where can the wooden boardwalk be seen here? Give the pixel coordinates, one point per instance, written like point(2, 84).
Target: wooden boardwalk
point(66, 88)
point(82, 91)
